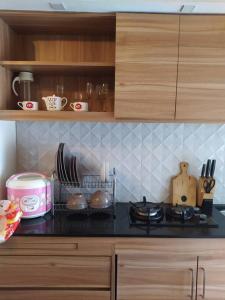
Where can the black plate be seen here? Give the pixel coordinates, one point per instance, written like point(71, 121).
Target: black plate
point(66, 161)
point(63, 167)
point(58, 164)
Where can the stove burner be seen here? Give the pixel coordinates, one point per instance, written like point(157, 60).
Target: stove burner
point(180, 212)
point(146, 211)
point(149, 215)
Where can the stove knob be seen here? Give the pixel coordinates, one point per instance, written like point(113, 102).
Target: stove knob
point(203, 217)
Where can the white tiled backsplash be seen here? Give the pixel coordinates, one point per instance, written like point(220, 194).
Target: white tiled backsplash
point(145, 155)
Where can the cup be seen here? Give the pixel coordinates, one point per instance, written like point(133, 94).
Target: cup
point(79, 106)
point(54, 103)
point(28, 105)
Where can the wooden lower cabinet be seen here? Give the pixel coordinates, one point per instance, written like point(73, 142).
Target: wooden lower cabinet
point(211, 277)
point(59, 268)
point(53, 295)
point(55, 271)
point(156, 277)
point(85, 269)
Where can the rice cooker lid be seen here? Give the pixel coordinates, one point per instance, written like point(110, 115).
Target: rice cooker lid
point(27, 181)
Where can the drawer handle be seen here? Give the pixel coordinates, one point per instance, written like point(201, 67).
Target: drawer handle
point(204, 282)
point(192, 283)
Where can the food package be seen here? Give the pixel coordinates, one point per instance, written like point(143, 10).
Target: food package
point(10, 215)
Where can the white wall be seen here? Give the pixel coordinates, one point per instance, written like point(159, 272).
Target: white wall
point(202, 6)
point(7, 152)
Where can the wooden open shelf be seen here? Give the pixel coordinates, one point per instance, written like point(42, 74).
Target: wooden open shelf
point(30, 22)
point(20, 115)
point(49, 66)
point(60, 49)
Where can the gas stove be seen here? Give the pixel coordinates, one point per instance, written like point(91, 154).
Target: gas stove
point(165, 215)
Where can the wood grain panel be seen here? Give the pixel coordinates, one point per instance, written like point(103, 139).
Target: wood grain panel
point(143, 37)
point(154, 74)
point(49, 67)
point(156, 102)
point(21, 115)
point(5, 89)
point(146, 57)
point(9, 41)
point(59, 22)
point(55, 271)
point(145, 277)
point(203, 33)
point(21, 245)
point(74, 48)
point(200, 104)
point(168, 246)
point(57, 246)
point(212, 267)
point(53, 295)
point(201, 71)
point(202, 76)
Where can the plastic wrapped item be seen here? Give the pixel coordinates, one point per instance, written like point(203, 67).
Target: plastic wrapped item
point(10, 215)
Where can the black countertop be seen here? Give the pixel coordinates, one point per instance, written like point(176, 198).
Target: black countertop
point(63, 225)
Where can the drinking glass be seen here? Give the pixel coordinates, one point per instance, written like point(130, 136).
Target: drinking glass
point(89, 90)
point(60, 90)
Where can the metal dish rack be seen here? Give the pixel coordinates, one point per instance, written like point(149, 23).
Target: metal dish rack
point(87, 185)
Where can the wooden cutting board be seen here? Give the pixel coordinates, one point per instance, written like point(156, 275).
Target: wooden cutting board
point(184, 187)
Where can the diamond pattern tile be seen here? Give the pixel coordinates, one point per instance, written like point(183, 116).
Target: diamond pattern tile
point(145, 155)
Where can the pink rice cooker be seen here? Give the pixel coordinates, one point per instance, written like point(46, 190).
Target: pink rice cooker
point(32, 191)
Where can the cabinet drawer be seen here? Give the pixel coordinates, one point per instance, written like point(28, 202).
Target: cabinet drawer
point(55, 271)
point(54, 295)
point(57, 246)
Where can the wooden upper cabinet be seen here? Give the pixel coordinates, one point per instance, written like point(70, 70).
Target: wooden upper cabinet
point(201, 69)
point(146, 66)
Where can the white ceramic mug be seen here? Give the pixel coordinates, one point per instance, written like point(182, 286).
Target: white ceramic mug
point(55, 103)
point(79, 106)
point(28, 105)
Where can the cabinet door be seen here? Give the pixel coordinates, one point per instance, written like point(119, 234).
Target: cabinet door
point(201, 69)
point(156, 277)
point(146, 66)
point(211, 276)
point(53, 295)
point(26, 272)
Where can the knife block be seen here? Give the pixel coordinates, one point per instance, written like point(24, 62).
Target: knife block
point(202, 195)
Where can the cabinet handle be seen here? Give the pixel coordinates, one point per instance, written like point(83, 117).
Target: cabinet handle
point(192, 283)
point(204, 280)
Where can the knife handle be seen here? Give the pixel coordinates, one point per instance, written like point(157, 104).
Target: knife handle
point(203, 170)
point(213, 166)
point(208, 167)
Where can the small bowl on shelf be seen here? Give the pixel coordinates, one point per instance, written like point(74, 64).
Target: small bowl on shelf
point(100, 200)
point(76, 202)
